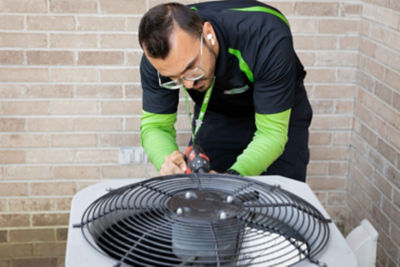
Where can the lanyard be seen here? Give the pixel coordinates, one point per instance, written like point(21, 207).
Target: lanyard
point(203, 109)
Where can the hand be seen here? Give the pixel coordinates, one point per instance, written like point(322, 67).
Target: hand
point(174, 163)
point(212, 171)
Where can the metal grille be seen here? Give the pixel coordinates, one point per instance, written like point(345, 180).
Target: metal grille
point(204, 220)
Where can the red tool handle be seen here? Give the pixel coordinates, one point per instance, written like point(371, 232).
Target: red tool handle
point(196, 160)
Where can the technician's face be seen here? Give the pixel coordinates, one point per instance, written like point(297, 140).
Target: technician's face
point(189, 57)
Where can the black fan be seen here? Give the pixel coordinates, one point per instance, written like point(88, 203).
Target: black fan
point(204, 220)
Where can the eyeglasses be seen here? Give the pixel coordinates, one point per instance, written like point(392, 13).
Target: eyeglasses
point(194, 75)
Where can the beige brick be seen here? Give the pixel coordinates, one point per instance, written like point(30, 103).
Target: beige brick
point(388, 57)
point(329, 153)
point(124, 171)
point(100, 58)
point(25, 108)
point(365, 81)
point(133, 58)
point(23, 6)
point(314, 42)
point(50, 58)
point(35, 262)
point(376, 69)
point(73, 75)
point(129, 41)
point(23, 40)
point(50, 124)
point(344, 107)
point(23, 75)
point(101, 24)
point(336, 198)
point(69, 41)
point(73, 108)
point(12, 157)
point(336, 59)
point(3, 237)
point(49, 91)
point(121, 107)
point(322, 106)
point(50, 219)
point(49, 249)
point(12, 90)
point(3, 205)
point(346, 74)
point(99, 91)
point(341, 138)
point(392, 78)
point(73, 140)
point(320, 138)
point(395, 5)
point(82, 185)
point(13, 189)
point(15, 250)
point(349, 42)
point(76, 172)
point(29, 235)
point(316, 168)
point(32, 204)
point(118, 140)
point(338, 168)
point(123, 6)
point(14, 220)
point(120, 75)
point(133, 91)
point(97, 156)
point(98, 124)
point(132, 24)
point(338, 26)
point(368, 47)
point(24, 140)
point(64, 204)
point(133, 124)
point(73, 6)
point(52, 23)
point(326, 183)
point(331, 123)
point(49, 156)
point(303, 25)
point(61, 234)
point(320, 75)
point(11, 22)
point(387, 151)
point(49, 189)
point(334, 91)
point(350, 9)
point(182, 139)
point(27, 172)
point(12, 125)
point(11, 57)
point(316, 9)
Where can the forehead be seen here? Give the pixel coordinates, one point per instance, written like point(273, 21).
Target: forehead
point(183, 49)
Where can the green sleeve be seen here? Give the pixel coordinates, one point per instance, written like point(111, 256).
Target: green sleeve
point(267, 145)
point(158, 136)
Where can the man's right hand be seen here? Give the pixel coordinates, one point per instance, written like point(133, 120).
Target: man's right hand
point(174, 164)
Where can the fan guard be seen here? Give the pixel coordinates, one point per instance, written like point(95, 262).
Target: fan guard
point(204, 220)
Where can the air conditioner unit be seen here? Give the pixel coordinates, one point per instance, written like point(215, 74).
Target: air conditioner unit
point(203, 220)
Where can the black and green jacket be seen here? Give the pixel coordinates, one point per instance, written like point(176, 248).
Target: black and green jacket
point(255, 98)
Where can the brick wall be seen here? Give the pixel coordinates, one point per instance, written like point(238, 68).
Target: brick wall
point(374, 179)
point(70, 104)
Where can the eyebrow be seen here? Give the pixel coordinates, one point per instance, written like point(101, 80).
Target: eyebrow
point(188, 67)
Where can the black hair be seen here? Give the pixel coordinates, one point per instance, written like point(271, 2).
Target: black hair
point(157, 25)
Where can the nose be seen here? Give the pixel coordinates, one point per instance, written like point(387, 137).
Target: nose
point(188, 84)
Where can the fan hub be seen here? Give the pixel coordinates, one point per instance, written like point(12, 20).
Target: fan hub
point(205, 205)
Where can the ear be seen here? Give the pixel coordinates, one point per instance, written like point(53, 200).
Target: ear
point(209, 32)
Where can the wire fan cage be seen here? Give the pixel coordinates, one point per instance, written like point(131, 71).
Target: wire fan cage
point(204, 220)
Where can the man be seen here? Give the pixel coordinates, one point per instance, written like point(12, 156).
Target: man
point(237, 62)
